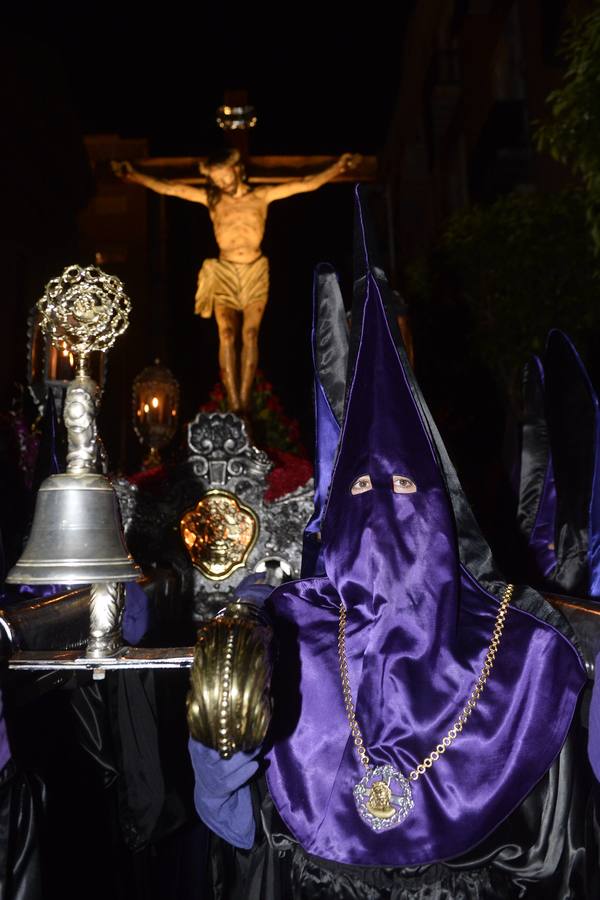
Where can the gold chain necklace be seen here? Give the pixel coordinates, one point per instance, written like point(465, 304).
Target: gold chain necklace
point(384, 796)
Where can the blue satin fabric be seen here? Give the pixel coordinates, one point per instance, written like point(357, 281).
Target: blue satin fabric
point(137, 613)
point(419, 626)
point(222, 795)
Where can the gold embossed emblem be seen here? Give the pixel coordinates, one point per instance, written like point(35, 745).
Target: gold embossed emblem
point(379, 802)
point(219, 534)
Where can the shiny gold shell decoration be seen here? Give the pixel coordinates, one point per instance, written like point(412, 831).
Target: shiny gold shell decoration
point(219, 534)
point(229, 705)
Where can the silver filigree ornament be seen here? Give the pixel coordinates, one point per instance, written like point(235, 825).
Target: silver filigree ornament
point(383, 798)
point(86, 309)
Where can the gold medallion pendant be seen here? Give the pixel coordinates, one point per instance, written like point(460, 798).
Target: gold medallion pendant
point(383, 798)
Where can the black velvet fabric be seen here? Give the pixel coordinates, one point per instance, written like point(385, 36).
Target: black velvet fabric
point(133, 727)
point(21, 802)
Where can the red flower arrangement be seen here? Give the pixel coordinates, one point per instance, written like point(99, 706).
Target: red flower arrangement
point(289, 473)
point(273, 431)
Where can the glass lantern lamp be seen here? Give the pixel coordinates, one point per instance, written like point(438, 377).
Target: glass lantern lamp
point(155, 410)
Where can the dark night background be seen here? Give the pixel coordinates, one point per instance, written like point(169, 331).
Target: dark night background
point(320, 85)
point(442, 92)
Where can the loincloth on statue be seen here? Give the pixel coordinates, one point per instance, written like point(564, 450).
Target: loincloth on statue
point(235, 285)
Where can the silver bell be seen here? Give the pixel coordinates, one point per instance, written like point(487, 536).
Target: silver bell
point(76, 536)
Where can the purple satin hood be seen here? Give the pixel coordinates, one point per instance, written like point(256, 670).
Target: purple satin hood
point(419, 625)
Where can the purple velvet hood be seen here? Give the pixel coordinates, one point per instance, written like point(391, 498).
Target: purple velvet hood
point(421, 595)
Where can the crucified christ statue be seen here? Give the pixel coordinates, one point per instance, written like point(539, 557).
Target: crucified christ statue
point(236, 285)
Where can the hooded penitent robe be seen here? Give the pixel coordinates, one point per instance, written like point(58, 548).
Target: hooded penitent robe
point(559, 491)
point(502, 813)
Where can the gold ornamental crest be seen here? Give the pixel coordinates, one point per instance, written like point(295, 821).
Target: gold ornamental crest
point(219, 533)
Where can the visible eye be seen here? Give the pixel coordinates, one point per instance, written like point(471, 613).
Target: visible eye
point(403, 485)
point(362, 485)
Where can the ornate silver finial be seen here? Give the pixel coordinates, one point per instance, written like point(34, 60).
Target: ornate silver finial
point(84, 308)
